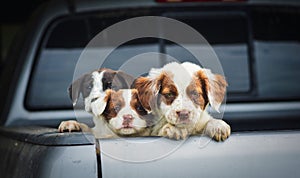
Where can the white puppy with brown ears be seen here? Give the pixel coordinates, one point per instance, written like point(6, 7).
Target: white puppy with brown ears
point(178, 94)
point(116, 113)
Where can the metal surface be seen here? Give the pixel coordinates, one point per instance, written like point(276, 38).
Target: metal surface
point(261, 154)
point(23, 159)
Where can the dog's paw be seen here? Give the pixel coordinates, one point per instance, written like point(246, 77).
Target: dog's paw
point(69, 126)
point(218, 130)
point(173, 132)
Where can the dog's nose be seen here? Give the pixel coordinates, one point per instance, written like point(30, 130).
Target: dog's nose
point(183, 114)
point(127, 118)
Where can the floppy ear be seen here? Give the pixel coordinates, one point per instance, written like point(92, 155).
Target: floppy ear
point(146, 91)
point(98, 105)
point(214, 86)
point(123, 80)
point(75, 89)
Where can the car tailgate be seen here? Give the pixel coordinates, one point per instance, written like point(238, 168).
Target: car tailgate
point(252, 154)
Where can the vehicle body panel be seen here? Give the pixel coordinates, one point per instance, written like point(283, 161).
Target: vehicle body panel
point(254, 154)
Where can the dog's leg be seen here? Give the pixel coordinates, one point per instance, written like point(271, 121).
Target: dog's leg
point(146, 132)
point(217, 129)
point(173, 132)
point(214, 128)
point(72, 125)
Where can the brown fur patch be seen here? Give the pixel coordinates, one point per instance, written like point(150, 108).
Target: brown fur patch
point(148, 89)
point(136, 104)
point(115, 102)
point(168, 89)
point(115, 79)
point(108, 77)
point(144, 87)
point(216, 86)
point(196, 91)
point(82, 85)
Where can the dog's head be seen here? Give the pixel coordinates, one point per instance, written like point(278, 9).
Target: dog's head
point(122, 110)
point(180, 92)
point(92, 85)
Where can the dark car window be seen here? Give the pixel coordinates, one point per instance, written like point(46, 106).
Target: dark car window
point(277, 51)
point(125, 56)
point(55, 65)
point(228, 35)
point(276, 48)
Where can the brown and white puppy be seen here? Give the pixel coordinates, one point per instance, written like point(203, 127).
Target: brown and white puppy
point(119, 113)
point(178, 94)
point(115, 112)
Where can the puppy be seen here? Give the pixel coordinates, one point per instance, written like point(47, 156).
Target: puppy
point(92, 87)
point(178, 95)
point(119, 113)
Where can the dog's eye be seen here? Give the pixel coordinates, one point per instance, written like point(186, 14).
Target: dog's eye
point(117, 108)
point(140, 109)
point(90, 86)
point(94, 99)
point(114, 88)
point(195, 94)
point(169, 95)
point(108, 84)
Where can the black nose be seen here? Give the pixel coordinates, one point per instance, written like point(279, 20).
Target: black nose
point(183, 114)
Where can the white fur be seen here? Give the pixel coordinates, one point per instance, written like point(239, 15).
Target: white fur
point(182, 77)
point(96, 92)
point(199, 120)
point(98, 106)
point(117, 122)
point(211, 78)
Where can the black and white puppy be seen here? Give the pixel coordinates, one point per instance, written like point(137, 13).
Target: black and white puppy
point(178, 94)
point(115, 112)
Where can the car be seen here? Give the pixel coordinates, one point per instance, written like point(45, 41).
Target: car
point(257, 43)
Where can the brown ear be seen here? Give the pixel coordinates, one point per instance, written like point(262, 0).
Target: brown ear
point(146, 91)
point(108, 77)
point(116, 79)
point(214, 86)
point(123, 80)
point(76, 88)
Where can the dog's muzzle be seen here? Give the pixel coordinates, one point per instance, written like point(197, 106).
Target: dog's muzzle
point(183, 115)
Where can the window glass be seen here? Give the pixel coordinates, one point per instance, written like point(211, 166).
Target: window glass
point(54, 67)
point(227, 34)
point(135, 57)
point(277, 54)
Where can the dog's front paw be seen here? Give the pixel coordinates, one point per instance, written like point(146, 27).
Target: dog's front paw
point(173, 132)
point(218, 129)
point(69, 126)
